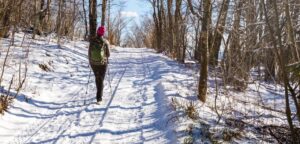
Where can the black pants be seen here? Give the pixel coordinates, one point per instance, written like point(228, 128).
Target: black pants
point(99, 72)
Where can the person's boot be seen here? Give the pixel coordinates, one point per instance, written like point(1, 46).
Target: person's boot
point(99, 99)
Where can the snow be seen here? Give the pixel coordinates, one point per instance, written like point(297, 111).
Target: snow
point(146, 96)
point(59, 111)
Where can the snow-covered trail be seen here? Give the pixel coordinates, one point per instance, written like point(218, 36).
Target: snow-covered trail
point(133, 110)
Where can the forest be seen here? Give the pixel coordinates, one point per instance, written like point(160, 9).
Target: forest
point(217, 71)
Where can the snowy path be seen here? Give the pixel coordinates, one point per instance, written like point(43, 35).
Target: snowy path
point(133, 108)
point(145, 98)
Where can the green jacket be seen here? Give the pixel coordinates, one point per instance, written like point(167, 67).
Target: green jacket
point(95, 46)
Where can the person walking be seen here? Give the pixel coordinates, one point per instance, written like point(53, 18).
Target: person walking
point(98, 54)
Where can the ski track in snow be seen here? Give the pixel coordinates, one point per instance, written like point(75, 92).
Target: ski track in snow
point(132, 111)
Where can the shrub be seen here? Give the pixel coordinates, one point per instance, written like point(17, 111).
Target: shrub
point(4, 103)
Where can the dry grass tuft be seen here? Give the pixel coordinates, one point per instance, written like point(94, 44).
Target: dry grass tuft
point(5, 101)
point(190, 110)
point(229, 134)
point(44, 67)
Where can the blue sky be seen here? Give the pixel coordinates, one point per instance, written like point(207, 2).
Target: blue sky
point(132, 9)
point(136, 5)
point(135, 8)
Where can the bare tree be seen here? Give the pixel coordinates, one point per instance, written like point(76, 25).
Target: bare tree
point(275, 33)
point(204, 46)
point(170, 33)
point(85, 20)
point(5, 14)
point(104, 3)
point(219, 32)
point(92, 18)
point(233, 57)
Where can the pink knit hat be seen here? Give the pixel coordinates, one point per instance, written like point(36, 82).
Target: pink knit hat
point(101, 31)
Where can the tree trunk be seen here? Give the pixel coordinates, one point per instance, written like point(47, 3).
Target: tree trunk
point(5, 21)
point(179, 32)
point(197, 38)
point(103, 12)
point(17, 11)
point(85, 21)
point(249, 55)
point(73, 19)
point(204, 46)
point(218, 34)
point(290, 31)
point(281, 54)
point(269, 55)
point(108, 22)
point(184, 43)
point(163, 25)
point(157, 28)
point(41, 17)
point(35, 19)
point(197, 54)
point(58, 22)
point(293, 46)
point(158, 24)
point(92, 18)
point(47, 25)
point(171, 34)
point(233, 57)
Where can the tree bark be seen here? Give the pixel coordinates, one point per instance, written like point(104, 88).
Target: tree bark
point(197, 38)
point(293, 46)
point(281, 54)
point(179, 32)
point(218, 34)
point(269, 55)
point(58, 22)
point(171, 34)
point(197, 54)
point(92, 18)
point(48, 24)
point(103, 12)
point(157, 16)
point(233, 57)
point(204, 46)
point(163, 25)
point(73, 20)
point(35, 19)
point(85, 20)
point(290, 31)
point(157, 25)
point(42, 12)
point(5, 21)
point(108, 22)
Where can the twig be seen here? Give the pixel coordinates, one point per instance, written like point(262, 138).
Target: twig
point(3, 67)
point(273, 135)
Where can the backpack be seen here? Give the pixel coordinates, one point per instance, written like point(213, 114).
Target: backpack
point(97, 51)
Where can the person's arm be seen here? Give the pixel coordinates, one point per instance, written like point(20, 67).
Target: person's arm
point(107, 50)
point(89, 52)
